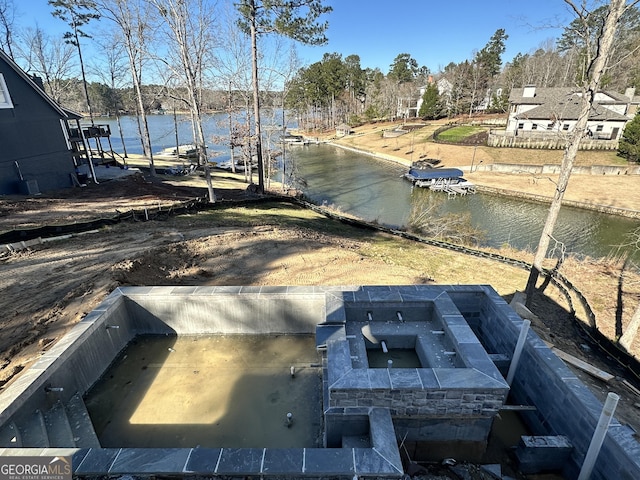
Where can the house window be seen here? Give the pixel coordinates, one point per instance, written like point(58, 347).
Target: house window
point(534, 126)
point(549, 126)
point(5, 99)
point(521, 126)
point(599, 128)
point(565, 127)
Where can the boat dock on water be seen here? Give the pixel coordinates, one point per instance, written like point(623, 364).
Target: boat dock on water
point(294, 140)
point(449, 180)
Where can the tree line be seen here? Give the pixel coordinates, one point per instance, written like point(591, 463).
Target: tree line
point(191, 48)
point(338, 89)
point(198, 56)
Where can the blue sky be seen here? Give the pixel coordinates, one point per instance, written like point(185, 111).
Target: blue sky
point(435, 33)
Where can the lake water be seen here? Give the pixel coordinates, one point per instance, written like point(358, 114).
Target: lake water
point(374, 190)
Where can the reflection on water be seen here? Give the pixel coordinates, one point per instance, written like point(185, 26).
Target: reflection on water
point(375, 191)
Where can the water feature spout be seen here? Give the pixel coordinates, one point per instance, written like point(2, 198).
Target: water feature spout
point(389, 363)
point(293, 371)
point(289, 419)
point(399, 315)
point(370, 316)
point(53, 389)
point(112, 327)
point(384, 346)
point(368, 334)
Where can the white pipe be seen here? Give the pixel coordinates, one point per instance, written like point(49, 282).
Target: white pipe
point(598, 435)
point(369, 316)
point(384, 346)
point(399, 316)
point(389, 363)
point(518, 351)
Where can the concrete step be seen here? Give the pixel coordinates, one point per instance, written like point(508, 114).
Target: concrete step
point(33, 431)
point(10, 436)
point(84, 435)
point(58, 427)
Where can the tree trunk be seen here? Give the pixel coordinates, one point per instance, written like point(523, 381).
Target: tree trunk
point(629, 335)
point(207, 177)
point(144, 128)
point(256, 96)
point(596, 70)
point(84, 76)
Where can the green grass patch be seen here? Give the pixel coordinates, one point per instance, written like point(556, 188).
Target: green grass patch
point(274, 214)
point(459, 134)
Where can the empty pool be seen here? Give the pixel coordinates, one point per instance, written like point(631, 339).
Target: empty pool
point(211, 391)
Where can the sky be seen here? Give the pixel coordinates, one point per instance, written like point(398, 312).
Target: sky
point(434, 32)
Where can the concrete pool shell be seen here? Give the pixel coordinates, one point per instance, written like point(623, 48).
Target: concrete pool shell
point(367, 410)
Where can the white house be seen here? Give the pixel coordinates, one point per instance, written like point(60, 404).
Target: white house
point(444, 90)
point(537, 112)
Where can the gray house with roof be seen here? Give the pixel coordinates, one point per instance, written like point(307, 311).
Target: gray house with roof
point(35, 152)
point(545, 112)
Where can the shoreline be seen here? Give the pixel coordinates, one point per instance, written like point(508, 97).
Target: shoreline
point(492, 190)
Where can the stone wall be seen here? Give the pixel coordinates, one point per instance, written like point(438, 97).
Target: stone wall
point(553, 169)
point(420, 402)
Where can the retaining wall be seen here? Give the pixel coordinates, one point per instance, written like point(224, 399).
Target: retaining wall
point(564, 405)
point(552, 169)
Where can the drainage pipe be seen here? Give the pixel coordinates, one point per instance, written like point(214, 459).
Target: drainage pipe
point(518, 351)
point(598, 435)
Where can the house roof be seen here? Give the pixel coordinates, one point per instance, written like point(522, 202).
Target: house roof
point(564, 104)
point(570, 111)
point(63, 112)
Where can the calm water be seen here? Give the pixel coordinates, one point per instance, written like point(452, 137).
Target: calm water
point(375, 191)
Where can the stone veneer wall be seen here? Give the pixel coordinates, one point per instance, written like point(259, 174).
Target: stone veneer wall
point(435, 402)
point(418, 398)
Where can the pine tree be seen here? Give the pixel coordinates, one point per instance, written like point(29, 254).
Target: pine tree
point(298, 20)
point(431, 107)
point(77, 13)
point(629, 147)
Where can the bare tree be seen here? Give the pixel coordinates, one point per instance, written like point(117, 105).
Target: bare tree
point(631, 331)
point(232, 64)
point(190, 24)
point(112, 71)
point(52, 60)
point(134, 22)
point(7, 26)
point(596, 67)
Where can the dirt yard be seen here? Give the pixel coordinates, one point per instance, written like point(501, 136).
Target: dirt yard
point(49, 287)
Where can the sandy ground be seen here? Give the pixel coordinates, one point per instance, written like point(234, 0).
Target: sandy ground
point(48, 288)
